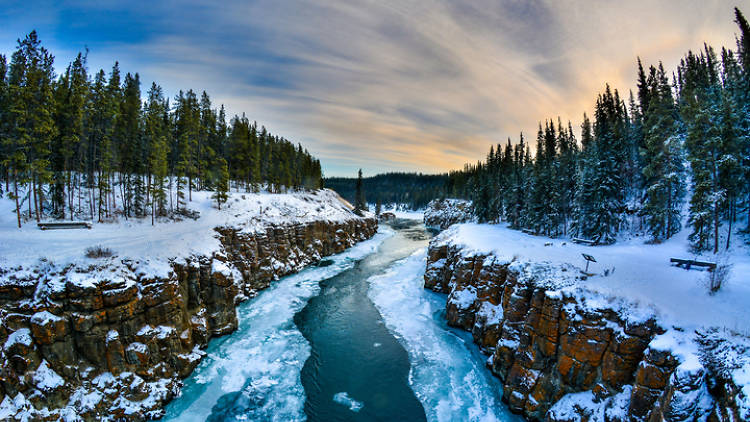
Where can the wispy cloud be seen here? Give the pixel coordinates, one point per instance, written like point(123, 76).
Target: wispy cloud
point(385, 85)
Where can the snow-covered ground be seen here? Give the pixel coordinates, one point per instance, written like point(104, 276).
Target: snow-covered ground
point(254, 374)
point(402, 211)
point(447, 373)
point(637, 272)
point(137, 239)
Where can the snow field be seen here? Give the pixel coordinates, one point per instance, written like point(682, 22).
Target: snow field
point(637, 273)
point(137, 239)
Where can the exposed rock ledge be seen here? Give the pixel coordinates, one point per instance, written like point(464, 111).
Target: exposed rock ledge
point(569, 356)
point(112, 341)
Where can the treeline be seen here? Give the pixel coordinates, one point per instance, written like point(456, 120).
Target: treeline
point(70, 146)
point(412, 189)
point(635, 162)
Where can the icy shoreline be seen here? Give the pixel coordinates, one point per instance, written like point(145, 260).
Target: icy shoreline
point(450, 382)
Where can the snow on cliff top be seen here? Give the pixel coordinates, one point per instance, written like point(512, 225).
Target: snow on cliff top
point(642, 273)
point(136, 239)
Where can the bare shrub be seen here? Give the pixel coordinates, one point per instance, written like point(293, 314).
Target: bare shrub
point(99, 251)
point(718, 277)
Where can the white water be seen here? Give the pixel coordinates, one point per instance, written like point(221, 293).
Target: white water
point(447, 373)
point(254, 373)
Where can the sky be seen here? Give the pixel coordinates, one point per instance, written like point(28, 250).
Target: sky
point(382, 85)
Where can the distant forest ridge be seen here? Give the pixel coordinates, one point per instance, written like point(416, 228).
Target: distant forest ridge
point(414, 190)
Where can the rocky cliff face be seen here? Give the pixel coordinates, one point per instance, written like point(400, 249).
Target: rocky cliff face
point(566, 356)
point(112, 340)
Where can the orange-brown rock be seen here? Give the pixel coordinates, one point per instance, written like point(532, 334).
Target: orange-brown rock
point(546, 344)
point(144, 328)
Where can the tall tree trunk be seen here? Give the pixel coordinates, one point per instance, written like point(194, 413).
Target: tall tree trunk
point(731, 220)
point(729, 233)
point(29, 195)
point(99, 183)
point(91, 202)
point(669, 211)
point(15, 194)
point(112, 191)
point(33, 189)
point(78, 188)
point(70, 194)
point(716, 228)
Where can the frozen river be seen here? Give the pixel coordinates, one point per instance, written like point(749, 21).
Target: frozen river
point(355, 338)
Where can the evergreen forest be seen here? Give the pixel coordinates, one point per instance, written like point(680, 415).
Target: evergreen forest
point(94, 146)
point(674, 151)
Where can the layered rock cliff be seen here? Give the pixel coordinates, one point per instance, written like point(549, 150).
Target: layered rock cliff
point(111, 340)
point(567, 355)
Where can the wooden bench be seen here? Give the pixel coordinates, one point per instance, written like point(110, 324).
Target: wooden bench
point(584, 241)
point(691, 262)
point(64, 225)
point(529, 231)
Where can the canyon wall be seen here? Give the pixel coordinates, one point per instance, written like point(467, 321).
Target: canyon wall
point(111, 341)
point(564, 355)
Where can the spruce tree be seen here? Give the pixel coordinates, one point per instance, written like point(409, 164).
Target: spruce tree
point(663, 171)
point(742, 99)
point(155, 134)
point(360, 203)
point(71, 96)
point(32, 126)
point(705, 147)
point(4, 123)
point(585, 195)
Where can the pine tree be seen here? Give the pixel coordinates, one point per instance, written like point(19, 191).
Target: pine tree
point(360, 203)
point(31, 121)
point(71, 96)
point(585, 196)
point(188, 126)
point(566, 173)
point(704, 145)
point(155, 134)
point(662, 154)
point(111, 97)
point(129, 146)
point(4, 123)
point(609, 151)
point(742, 99)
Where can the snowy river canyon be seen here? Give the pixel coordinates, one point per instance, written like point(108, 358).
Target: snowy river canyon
point(356, 337)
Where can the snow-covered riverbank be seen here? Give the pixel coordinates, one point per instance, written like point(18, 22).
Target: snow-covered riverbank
point(634, 339)
point(255, 373)
point(122, 331)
